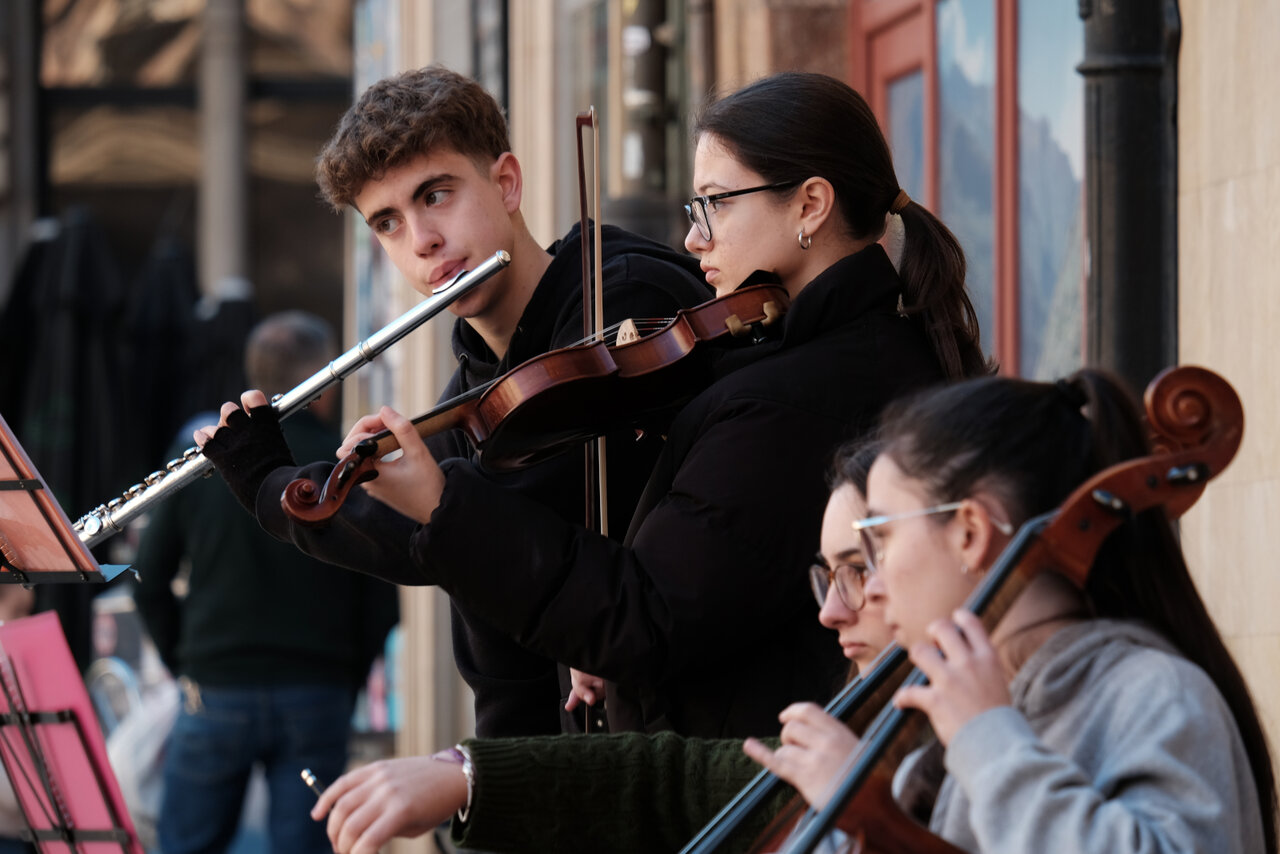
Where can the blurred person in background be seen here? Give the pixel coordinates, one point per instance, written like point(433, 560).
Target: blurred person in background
point(270, 646)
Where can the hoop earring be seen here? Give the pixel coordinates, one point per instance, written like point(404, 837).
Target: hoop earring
point(805, 242)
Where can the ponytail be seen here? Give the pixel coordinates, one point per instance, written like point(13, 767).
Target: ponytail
point(933, 276)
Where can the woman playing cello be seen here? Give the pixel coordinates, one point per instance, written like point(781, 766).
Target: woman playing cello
point(1111, 718)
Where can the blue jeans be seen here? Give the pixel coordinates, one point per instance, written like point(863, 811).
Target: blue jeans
point(220, 733)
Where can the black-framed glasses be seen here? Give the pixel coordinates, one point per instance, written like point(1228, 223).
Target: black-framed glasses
point(872, 552)
point(697, 207)
point(849, 580)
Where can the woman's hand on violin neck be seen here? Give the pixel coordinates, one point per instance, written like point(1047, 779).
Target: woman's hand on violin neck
point(815, 748)
point(393, 797)
point(411, 482)
point(966, 676)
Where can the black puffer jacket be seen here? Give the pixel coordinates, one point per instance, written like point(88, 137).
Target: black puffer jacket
point(703, 621)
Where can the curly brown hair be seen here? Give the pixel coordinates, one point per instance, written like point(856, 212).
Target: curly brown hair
point(405, 115)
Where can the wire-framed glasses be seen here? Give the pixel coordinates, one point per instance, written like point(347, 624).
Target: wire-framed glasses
point(873, 553)
point(849, 580)
point(698, 205)
point(871, 550)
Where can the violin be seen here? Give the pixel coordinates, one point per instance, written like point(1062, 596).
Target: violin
point(1196, 421)
point(565, 397)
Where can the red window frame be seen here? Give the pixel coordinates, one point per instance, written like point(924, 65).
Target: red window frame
point(890, 38)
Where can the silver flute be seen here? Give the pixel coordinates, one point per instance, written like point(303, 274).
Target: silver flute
point(109, 519)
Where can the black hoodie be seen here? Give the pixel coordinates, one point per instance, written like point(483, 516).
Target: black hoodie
point(518, 692)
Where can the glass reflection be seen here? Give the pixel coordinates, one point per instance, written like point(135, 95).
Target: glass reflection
point(966, 144)
point(1050, 170)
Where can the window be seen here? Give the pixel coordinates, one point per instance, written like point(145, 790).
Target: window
point(982, 107)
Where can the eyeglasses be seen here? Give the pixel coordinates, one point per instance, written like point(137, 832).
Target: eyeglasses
point(697, 207)
point(848, 578)
point(873, 554)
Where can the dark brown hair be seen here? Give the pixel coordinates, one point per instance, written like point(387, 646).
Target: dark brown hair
point(1033, 444)
point(793, 126)
point(400, 117)
point(851, 463)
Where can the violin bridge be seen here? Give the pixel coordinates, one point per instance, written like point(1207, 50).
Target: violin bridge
point(627, 332)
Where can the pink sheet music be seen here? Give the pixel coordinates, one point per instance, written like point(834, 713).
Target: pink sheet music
point(35, 659)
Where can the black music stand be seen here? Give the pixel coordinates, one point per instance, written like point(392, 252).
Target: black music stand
point(52, 748)
point(37, 540)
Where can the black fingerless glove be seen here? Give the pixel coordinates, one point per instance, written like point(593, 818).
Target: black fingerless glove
point(246, 450)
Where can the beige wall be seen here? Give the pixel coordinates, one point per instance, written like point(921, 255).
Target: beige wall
point(757, 37)
point(1229, 310)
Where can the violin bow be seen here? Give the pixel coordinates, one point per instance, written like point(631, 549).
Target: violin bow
point(596, 492)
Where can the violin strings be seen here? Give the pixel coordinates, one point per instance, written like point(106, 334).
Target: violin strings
point(643, 324)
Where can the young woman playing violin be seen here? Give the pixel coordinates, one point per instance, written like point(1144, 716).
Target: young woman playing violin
point(1111, 718)
point(732, 507)
point(629, 792)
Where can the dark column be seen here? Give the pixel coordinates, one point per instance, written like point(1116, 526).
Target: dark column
point(1130, 72)
point(22, 173)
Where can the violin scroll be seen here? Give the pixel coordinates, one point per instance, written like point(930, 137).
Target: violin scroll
point(312, 505)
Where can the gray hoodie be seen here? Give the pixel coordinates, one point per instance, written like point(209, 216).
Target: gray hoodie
point(1114, 743)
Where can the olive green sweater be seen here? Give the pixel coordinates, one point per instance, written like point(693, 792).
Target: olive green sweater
point(619, 793)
